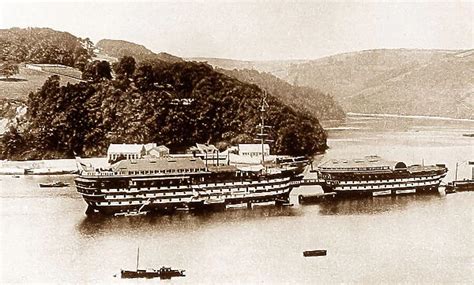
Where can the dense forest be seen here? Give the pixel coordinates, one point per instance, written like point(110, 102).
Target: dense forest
point(176, 104)
point(307, 99)
point(43, 45)
point(119, 49)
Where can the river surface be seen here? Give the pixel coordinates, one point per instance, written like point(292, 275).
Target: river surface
point(46, 237)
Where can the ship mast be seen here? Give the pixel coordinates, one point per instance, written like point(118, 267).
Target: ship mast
point(262, 125)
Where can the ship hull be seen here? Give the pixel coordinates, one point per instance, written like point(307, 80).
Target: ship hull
point(428, 184)
point(461, 185)
point(169, 208)
point(379, 193)
point(112, 195)
point(168, 274)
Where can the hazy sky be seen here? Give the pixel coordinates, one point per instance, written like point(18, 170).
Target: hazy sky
point(256, 29)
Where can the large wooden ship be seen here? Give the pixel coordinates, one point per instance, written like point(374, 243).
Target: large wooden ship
point(374, 176)
point(171, 183)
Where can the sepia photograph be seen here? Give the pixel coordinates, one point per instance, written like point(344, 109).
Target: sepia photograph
point(236, 142)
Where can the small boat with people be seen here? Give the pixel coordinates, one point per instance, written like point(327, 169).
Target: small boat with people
point(53, 184)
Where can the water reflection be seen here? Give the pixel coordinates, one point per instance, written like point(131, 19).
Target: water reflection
point(375, 205)
point(92, 226)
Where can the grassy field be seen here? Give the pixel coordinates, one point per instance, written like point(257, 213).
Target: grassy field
point(32, 80)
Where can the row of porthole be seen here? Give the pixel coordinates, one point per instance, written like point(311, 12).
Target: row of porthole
point(210, 184)
point(145, 172)
point(388, 180)
point(155, 195)
point(130, 202)
point(391, 185)
point(179, 199)
point(149, 188)
point(235, 183)
point(385, 186)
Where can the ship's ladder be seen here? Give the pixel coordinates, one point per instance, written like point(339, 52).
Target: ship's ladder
point(147, 202)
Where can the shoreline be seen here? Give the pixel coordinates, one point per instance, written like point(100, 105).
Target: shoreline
point(47, 166)
point(409, 117)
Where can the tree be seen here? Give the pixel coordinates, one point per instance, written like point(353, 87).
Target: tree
point(13, 142)
point(96, 71)
point(104, 70)
point(125, 67)
point(9, 69)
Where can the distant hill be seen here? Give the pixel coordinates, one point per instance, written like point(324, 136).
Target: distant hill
point(404, 82)
point(119, 48)
point(44, 45)
point(306, 99)
point(395, 81)
point(278, 68)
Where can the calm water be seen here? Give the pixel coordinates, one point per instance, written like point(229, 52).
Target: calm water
point(46, 237)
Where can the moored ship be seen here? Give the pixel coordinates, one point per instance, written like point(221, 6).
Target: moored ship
point(460, 186)
point(171, 183)
point(162, 273)
point(374, 176)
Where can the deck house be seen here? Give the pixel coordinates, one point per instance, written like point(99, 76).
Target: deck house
point(125, 151)
point(158, 151)
point(253, 150)
point(210, 154)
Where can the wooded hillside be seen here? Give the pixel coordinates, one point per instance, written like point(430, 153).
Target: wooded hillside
point(120, 48)
point(176, 104)
point(43, 45)
point(307, 99)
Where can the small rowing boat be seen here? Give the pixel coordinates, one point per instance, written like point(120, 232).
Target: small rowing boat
point(318, 252)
